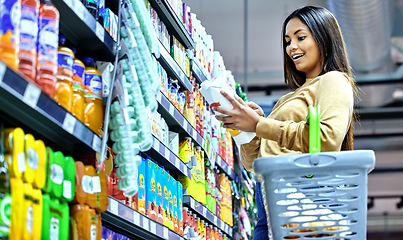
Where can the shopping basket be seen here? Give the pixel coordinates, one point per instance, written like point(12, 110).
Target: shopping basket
point(316, 195)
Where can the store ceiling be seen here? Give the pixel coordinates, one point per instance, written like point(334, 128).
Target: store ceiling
point(381, 125)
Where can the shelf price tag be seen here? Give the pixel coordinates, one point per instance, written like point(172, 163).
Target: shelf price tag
point(69, 123)
point(167, 153)
point(222, 225)
point(79, 9)
point(153, 227)
point(204, 211)
point(136, 218)
point(2, 71)
point(215, 221)
point(114, 206)
point(100, 32)
point(165, 234)
point(171, 109)
point(146, 224)
point(96, 143)
point(176, 162)
point(31, 95)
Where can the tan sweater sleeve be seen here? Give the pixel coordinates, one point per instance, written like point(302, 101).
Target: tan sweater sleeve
point(335, 98)
point(249, 152)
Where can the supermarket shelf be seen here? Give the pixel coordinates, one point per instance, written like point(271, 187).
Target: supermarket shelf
point(83, 31)
point(198, 72)
point(175, 120)
point(22, 102)
point(126, 221)
point(205, 213)
point(172, 68)
point(168, 159)
point(172, 22)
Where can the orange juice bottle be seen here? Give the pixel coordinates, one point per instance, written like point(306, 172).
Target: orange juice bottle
point(93, 110)
point(28, 38)
point(46, 66)
point(77, 106)
point(64, 84)
point(10, 32)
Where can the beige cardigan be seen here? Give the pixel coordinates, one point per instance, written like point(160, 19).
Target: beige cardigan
point(285, 130)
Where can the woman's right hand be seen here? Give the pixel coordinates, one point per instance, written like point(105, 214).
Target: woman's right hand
point(256, 108)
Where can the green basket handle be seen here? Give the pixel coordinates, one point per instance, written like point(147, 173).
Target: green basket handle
point(314, 128)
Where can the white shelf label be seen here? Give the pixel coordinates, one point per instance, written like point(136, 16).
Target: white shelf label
point(215, 221)
point(31, 95)
point(96, 143)
point(146, 223)
point(229, 170)
point(204, 210)
point(218, 160)
point(192, 203)
point(69, 123)
point(153, 227)
point(2, 71)
point(194, 134)
point(171, 109)
point(185, 124)
point(177, 162)
point(156, 144)
point(100, 32)
point(222, 225)
point(114, 206)
point(79, 9)
point(166, 236)
point(136, 218)
point(167, 153)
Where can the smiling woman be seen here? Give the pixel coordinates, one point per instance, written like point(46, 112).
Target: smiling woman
point(316, 67)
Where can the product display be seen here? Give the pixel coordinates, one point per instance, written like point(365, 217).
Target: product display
point(163, 145)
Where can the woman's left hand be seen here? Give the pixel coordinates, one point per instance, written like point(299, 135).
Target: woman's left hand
point(241, 117)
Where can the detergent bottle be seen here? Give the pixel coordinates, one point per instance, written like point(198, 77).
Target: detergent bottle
point(77, 105)
point(28, 38)
point(48, 29)
point(93, 110)
point(64, 85)
point(10, 32)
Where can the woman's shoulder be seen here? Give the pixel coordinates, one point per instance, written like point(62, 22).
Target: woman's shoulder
point(336, 75)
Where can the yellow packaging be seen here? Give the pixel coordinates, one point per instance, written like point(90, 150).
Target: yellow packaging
point(185, 149)
point(31, 158)
point(36, 203)
point(14, 151)
point(17, 215)
point(40, 175)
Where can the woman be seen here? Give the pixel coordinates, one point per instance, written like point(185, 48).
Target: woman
point(317, 69)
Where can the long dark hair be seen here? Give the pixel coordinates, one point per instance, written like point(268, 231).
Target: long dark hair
point(327, 34)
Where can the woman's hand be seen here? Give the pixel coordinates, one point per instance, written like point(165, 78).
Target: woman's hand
point(244, 116)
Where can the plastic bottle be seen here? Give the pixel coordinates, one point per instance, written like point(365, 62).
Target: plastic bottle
point(93, 7)
point(10, 32)
point(77, 105)
point(28, 38)
point(64, 85)
point(46, 66)
point(93, 111)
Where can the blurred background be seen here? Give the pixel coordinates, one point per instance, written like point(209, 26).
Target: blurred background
point(248, 36)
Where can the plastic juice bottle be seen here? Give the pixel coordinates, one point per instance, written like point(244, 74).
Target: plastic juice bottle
point(64, 85)
point(28, 38)
point(10, 32)
point(93, 111)
point(46, 66)
point(77, 105)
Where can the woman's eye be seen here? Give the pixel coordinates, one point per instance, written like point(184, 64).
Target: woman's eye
point(287, 43)
point(301, 38)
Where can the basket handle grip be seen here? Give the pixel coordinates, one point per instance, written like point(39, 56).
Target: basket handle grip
point(314, 128)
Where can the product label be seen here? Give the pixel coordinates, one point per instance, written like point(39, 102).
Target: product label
point(21, 162)
point(66, 189)
point(5, 211)
point(28, 28)
point(32, 159)
point(93, 85)
point(93, 232)
point(10, 20)
point(96, 184)
point(65, 60)
point(30, 219)
point(47, 40)
point(86, 183)
point(56, 174)
point(54, 229)
point(78, 72)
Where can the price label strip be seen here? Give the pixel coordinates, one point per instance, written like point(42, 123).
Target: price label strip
point(136, 218)
point(31, 95)
point(96, 143)
point(114, 206)
point(3, 69)
point(69, 123)
point(100, 32)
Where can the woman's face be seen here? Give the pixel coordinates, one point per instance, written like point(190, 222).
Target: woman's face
point(302, 48)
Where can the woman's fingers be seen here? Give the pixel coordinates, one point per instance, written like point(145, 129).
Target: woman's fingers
point(231, 99)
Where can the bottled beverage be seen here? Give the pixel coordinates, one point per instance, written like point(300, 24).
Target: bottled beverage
point(77, 106)
point(28, 38)
point(10, 32)
point(93, 106)
point(64, 85)
point(93, 7)
point(48, 28)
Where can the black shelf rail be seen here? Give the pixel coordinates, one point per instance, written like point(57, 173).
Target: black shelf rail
point(23, 102)
point(125, 220)
point(198, 72)
point(172, 22)
point(83, 31)
point(202, 211)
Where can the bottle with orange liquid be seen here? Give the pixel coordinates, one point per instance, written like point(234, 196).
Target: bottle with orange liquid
point(77, 106)
point(93, 110)
point(48, 29)
point(28, 38)
point(10, 32)
point(64, 85)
